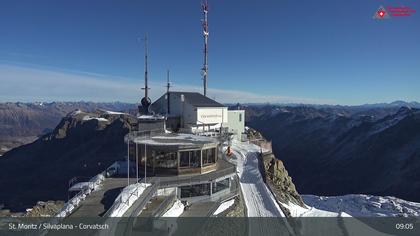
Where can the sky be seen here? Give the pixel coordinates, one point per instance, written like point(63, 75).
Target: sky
point(276, 51)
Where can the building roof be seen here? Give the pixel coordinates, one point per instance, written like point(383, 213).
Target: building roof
point(175, 140)
point(197, 99)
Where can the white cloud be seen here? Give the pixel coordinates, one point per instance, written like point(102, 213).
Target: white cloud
point(20, 83)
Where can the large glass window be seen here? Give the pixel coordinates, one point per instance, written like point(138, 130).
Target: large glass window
point(209, 156)
point(195, 159)
point(184, 159)
point(190, 159)
point(220, 185)
point(148, 155)
point(195, 190)
point(165, 160)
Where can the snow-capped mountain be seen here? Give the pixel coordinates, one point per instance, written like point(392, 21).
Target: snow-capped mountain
point(345, 150)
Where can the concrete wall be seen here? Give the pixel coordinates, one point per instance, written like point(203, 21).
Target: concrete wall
point(236, 122)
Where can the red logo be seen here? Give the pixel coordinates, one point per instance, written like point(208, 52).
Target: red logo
point(383, 13)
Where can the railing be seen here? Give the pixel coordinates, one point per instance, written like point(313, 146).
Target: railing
point(119, 200)
point(142, 134)
point(75, 201)
point(164, 205)
point(185, 180)
point(141, 202)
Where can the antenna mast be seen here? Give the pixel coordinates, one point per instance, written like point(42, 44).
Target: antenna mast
point(168, 84)
point(145, 102)
point(205, 8)
point(146, 87)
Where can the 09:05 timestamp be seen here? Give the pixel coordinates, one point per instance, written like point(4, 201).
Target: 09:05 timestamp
point(404, 226)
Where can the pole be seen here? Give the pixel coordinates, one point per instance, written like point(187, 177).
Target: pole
point(205, 9)
point(128, 162)
point(137, 164)
point(146, 87)
point(145, 162)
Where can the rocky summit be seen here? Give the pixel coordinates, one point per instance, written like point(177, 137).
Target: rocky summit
point(82, 145)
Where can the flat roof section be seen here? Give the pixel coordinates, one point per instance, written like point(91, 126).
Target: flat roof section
point(177, 141)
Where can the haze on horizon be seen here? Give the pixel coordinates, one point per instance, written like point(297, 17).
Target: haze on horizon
point(277, 51)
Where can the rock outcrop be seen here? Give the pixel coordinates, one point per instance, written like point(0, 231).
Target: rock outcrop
point(82, 145)
point(275, 174)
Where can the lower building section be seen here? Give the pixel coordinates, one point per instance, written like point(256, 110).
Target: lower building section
point(207, 190)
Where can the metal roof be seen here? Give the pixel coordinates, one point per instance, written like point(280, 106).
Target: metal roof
point(197, 99)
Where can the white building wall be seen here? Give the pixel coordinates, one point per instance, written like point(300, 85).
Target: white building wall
point(236, 122)
point(212, 115)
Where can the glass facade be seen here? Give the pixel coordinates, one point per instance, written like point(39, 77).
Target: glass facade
point(220, 185)
point(209, 156)
point(190, 159)
point(165, 159)
point(158, 158)
point(195, 190)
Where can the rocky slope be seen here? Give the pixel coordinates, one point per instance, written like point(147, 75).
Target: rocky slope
point(83, 144)
point(22, 123)
point(372, 151)
point(275, 174)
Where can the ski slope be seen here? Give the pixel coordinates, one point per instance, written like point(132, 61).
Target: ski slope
point(258, 198)
point(259, 201)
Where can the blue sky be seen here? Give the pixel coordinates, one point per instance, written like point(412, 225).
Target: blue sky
point(259, 51)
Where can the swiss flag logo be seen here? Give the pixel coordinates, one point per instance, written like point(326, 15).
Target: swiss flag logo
point(381, 13)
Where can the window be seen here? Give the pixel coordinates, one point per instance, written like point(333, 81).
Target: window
point(190, 159)
point(209, 156)
point(184, 159)
point(240, 117)
point(166, 160)
point(220, 185)
point(195, 190)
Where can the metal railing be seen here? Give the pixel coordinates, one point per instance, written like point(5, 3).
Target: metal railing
point(159, 211)
point(187, 180)
point(119, 200)
point(95, 180)
point(143, 134)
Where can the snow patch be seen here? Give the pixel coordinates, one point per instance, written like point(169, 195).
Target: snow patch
point(176, 210)
point(86, 118)
point(115, 113)
point(224, 206)
point(126, 198)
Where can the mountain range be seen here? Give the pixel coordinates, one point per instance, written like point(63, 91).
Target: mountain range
point(345, 150)
point(327, 150)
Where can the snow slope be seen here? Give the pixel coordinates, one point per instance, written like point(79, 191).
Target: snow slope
point(259, 201)
point(258, 198)
point(360, 205)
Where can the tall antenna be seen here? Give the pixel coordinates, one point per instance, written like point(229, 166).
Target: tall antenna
point(146, 87)
point(145, 102)
point(204, 72)
point(168, 84)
